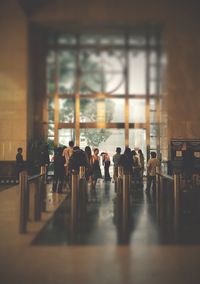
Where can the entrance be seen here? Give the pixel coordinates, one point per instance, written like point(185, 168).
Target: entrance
point(104, 90)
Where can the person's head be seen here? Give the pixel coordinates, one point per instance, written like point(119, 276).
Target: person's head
point(140, 152)
point(134, 153)
point(127, 152)
point(118, 150)
point(59, 151)
point(19, 150)
point(96, 151)
point(153, 155)
point(71, 144)
point(88, 150)
point(76, 149)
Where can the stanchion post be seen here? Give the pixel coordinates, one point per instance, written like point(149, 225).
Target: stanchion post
point(177, 183)
point(74, 199)
point(37, 201)
point(125, 203)
point(23, 183)
point(158, 194)
point(82, 192)
point(43, 188)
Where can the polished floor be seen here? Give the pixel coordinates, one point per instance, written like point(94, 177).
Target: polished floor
point(100, 221)
point(97, 244)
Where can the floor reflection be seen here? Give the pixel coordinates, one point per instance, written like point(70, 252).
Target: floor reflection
point(100, 217)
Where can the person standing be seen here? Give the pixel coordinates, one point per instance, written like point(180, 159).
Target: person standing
point(96, 167)
point(116, 159)
point(67, 153)
point(152, 164)
point(141, 158)
point(19, 161)
point(59, 171)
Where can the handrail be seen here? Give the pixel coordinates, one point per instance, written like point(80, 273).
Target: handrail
point(165, 176)
point(31, 178)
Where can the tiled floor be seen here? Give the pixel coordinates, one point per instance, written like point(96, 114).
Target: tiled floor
point(98, 246)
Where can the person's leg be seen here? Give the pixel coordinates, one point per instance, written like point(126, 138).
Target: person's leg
point(149, 181)
point(154, 184)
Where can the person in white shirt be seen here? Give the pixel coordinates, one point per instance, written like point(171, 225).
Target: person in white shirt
point(152, 164)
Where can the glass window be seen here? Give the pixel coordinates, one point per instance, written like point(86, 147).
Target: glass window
point(102, 71)
point(50, 71)
point(67, 72)
point(137, 72)
point(137, 111)
point(105, 139)
point(137, 139)
point(67, 39)
point(66, 110)
point(65, 135)
point(115, 110)
point(51, 110)
point(108, 110)
point(137, 40)
point(51, 128)
point(94, 39)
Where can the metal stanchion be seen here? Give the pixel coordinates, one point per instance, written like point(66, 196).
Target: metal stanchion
point(158, 178)
point(23, 182)
point(43, 188)
point(82, 193)
point(177, 183)
point(37, 201)
point(125, 203)
point(74, 199)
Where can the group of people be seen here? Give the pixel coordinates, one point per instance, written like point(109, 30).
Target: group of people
point(69, 159)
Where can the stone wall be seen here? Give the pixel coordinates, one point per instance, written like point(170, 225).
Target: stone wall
point(13, 79)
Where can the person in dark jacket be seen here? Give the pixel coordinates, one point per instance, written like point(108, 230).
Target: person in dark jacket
point(59, 171)
point(19, 161)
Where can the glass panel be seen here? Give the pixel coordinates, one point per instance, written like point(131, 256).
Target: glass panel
point(152, 104)
point(105, 139)
point(102, 71)
point(67, 39)
point(152, 117)
point(137, 111)
point(102, 39)
point(153, 130)
point(66, 110)
point(67, 68)
point(108, 110)
point(115, 110)
point(137, 40)
point(88, 110)
point(51, 110)
point(50, 65)
point(153, 142)
point(153, 73)
point(137, 139)
point(153, 88)
point(137, 73)
point(65, 135)
point(153, 57)
point(50, 130)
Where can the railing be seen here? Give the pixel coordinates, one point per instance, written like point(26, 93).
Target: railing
point(78, 197)
point(38, 183)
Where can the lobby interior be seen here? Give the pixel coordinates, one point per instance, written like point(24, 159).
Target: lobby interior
point(72, 70)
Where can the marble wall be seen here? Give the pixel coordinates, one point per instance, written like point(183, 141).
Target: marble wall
point(179, 19)
point(13, 80)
